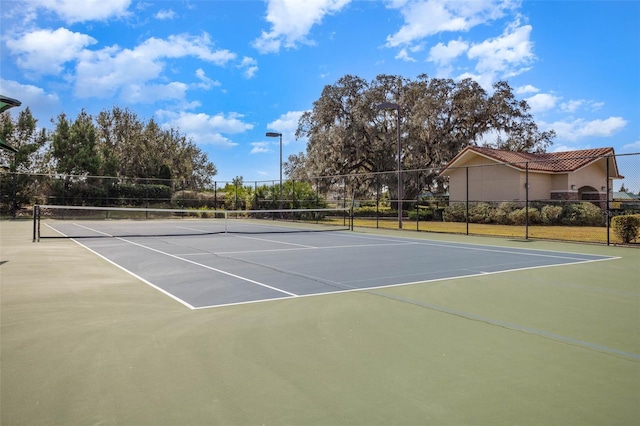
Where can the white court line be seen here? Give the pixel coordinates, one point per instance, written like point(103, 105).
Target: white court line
point(275, 241)
point(405, 241)
point(523, 252)
point(192, 262)
point(166, 293)
point(516, 327)
point(403, 284)
point(411, 241)
point(315, 248)
point(482, 247)
point(253, 238)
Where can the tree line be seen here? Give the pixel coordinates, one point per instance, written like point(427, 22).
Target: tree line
point(115, 143)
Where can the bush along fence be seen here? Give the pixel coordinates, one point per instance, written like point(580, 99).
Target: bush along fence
point(589, 199)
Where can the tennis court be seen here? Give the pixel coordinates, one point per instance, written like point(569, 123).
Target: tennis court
point(210, 262)
point(192, 321)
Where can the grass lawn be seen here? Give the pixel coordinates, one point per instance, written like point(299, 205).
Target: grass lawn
point(591, 234)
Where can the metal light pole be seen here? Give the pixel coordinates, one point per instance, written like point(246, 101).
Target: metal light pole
point(276, 135)
point(385, 106)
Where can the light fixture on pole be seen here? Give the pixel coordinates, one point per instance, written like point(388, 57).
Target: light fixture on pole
point(385, 106)
point(276, 135)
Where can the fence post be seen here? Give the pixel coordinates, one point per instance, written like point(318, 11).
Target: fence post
point(608, 211)
point(235, 183)
point(255, 193)
point(417, 212)
point(377, 201)
point(293, 192)
point(526, 206)
point(467, 200)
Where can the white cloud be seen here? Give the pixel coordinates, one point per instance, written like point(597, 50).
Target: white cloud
point(250, 67)
point(287, 124)
point(261, 147)
point(500, 57)
point(580, 129)
point(45, 52)
point(572, 105)
point(106, 72)
point(484, 80)
point(43, 105)
point(404, 55)
point(113, 71)
point(178, 46)
point(542, 102)
point(165, 14)
point(291, 21)
point(150, 93)
point(443, 54)
point(507, 54)
point(206, 129)
point(72, 11)
point(205, 82)
point(426, 18)
point(576, 104)
point(523, 90)
point(632, 147)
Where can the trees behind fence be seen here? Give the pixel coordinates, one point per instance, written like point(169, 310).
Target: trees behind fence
point(586, 205)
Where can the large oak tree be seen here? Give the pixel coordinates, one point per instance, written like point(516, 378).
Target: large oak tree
point(348, 135)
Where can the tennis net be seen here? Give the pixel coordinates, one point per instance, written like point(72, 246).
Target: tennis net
point(56, 221)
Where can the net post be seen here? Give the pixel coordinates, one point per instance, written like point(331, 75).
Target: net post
point(36, 223)
point(226, 218)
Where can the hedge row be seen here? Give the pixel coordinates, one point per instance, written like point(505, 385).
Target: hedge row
point(505, 213)
point(511, 213)
point(87, 193)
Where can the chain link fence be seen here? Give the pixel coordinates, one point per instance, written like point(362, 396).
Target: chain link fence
point(524, 200)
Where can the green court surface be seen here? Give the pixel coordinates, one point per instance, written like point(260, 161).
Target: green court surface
point(83, 342)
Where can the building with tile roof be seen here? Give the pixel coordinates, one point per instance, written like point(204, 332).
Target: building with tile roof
point(486, 174)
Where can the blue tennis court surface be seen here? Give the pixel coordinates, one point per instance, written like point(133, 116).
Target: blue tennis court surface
point(201, 268)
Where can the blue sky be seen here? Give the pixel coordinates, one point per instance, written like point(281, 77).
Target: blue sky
point(226, 72)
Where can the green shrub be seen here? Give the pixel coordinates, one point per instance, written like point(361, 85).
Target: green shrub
point(455, 213)
point(626, 227)
point(582, 214)
point(193, 199)
point(421, 214)
point(501, 215)
point(550, 214)
point(519, 216)
point(370, 211)
point(481, 213)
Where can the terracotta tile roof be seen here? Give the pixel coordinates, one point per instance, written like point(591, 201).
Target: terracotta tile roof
point(552, 162)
